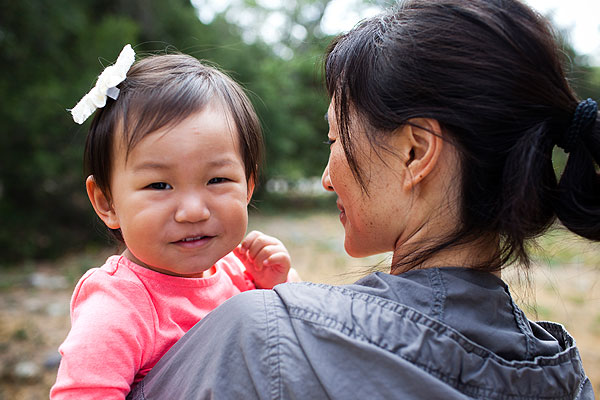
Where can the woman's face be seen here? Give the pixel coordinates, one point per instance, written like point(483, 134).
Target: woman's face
point(374, 219)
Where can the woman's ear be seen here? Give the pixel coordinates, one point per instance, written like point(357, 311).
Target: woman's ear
point(423, 146)
point(102, 205)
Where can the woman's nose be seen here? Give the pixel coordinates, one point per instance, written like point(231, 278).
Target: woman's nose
point(326, 180)
point(192, 208)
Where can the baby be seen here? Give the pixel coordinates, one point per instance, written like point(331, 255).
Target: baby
point(172, 156)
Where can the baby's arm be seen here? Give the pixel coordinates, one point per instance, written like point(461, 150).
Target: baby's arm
point(266, 259)
point(104, 348)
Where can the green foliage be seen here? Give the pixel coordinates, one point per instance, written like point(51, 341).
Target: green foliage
point(292, 107)
point(48, 57)
point(53, 50)
point(583, 78)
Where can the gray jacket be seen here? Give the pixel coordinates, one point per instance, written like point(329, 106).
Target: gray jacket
point(443, 333)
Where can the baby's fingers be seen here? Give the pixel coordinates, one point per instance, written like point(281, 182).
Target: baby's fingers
point(281, 259)
point(240, 252)
point(242, 255)
point(249, 240)
point(260, 259)
point(259, 244)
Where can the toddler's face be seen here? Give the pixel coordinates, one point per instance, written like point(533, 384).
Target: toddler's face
point(180, 198)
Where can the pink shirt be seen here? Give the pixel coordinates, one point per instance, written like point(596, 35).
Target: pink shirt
point(125, 317)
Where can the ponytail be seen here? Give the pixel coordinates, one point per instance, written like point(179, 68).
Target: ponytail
point(577, 203)
point(527, 182)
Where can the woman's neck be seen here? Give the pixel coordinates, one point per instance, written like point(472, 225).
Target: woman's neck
point(469, 255)
point(433, 217)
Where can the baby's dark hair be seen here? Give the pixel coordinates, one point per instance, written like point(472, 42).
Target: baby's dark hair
point(491, 73)
point(161, 91)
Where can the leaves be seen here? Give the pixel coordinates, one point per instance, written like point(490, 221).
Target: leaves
point(53, 51)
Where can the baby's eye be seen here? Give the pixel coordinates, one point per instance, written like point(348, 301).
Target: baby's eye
point(217, 180)
point(160, 186)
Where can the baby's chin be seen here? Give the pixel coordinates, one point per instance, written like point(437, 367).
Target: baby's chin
point(198, 271)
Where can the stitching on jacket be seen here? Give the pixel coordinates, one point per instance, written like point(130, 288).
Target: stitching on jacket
point(523, 326)
point(414, 316)
point(273, 345)
point(467, 389)
point(439, 293)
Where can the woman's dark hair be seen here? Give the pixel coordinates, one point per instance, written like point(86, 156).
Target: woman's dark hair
point(161, 91)
point(490, 72)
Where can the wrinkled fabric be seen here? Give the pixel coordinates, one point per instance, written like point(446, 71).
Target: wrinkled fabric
point(440, 333)
point(124, 318)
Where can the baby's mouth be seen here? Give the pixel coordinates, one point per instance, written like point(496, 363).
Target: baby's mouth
point(195, 239)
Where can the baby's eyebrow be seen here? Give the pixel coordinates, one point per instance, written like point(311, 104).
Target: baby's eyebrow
point(153, 165)
point(221, 162)
point(150, 165)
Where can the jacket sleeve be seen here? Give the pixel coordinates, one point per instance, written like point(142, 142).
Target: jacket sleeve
point(240, 363)
point(111, 331)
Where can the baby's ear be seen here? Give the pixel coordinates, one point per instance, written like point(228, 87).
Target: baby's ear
point(250, 190)
point(102, 205)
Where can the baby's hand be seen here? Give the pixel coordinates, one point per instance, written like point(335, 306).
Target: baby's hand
point(265, 258)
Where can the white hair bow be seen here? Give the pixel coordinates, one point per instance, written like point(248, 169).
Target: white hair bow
point(105, 86)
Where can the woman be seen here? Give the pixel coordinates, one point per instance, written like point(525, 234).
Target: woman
point(443, 118)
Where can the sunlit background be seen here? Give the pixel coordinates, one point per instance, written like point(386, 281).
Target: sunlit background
point(577, 18)
point(53, 50)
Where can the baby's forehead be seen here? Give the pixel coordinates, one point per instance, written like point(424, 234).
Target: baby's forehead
point(133, 129)
point(209, 129)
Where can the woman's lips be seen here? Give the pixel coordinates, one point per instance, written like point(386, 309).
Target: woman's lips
point(342, 213)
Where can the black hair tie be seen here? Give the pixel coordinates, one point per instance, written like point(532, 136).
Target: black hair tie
point(583, 119)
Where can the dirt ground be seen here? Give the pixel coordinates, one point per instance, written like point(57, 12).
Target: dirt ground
point(34, 298)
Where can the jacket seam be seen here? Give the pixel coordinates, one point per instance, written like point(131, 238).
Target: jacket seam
point(519, 318)
point(272, 341)
point(439, 294)
point(467, 389)
point(439, 327)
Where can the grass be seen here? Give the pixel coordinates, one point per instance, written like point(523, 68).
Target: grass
point(34, 320)
point(560, 247)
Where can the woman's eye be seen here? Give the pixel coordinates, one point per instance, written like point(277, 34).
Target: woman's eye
point(217, 180)
point(160, 186)
point(329, 142)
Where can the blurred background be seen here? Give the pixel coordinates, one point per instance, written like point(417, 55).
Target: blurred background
point(51, 52)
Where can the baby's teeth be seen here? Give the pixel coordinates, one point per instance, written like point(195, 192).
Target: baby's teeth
point(192, 239)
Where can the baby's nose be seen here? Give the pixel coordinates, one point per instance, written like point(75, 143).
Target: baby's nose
point(192, 208)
